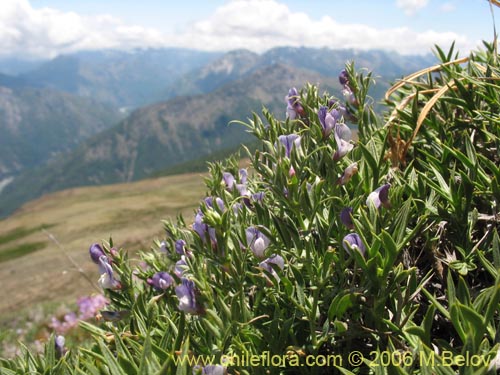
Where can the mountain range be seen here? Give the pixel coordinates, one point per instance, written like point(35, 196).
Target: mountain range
point(38, 124)
point(118, 78)
point(165, 134)
point(191, 101)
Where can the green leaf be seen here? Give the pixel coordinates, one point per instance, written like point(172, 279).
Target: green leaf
point(144, 365)
point(417, 331)
point(450, 284)
point(214, 317)
point(110, 360)
point(401, 223)
point(427, 324)
point(473, 318)
point(372, 163)
point(457, 319)
point(339, 305)
point(495, 246)
point(96, 331)
point(462, 292)
point(436, 303)
point(391, 251)
point(182, 367)
point(6, 371)
point(494, 302)
point(50, 353)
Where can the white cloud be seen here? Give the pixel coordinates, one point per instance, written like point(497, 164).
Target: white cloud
point(262, 24)
point(447, 7)
point(47, 32)
point(253, 24)
point(410, 7)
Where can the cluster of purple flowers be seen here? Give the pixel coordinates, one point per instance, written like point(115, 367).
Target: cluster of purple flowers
point(258, 242)
point(347, 89)
point(185, 289)
point(88, 307)
point(330, 119)
point(377, 198)
point(248, 198)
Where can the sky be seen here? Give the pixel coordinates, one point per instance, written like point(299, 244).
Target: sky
point(47, 28)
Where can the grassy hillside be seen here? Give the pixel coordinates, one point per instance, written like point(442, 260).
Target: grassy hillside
point(34, 269)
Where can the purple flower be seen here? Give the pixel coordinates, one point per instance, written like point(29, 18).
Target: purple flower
point(242, 189)
point(294, 107)
point(347, 91)
point(257, 241)
point(328, 119)
point(59, 344)
point(343, 78)
point(379, 197)
point(69, 321)
point(209, 370)
point(289, 141)
point(107, 279)
point(342, 135)
point(90, 305)
point(275, 260)
point(209, 201)
point(202, 228)
point(237, 207)
point(243, 175)
point(258, 197)
point(180, 267)
point(161, 281)
point(228, 179)
point(285, 192)
point(353, 241)
point(349, 96)
point(322, 112)
point(96, 252)
point(180, 247)
point(186, 293)
point(199, 226)
point(350, 171)
point(346, 217)
point(163, 247)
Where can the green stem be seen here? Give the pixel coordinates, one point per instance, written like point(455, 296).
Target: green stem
point(312, 318)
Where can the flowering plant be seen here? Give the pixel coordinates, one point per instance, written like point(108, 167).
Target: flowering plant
point(326, 245)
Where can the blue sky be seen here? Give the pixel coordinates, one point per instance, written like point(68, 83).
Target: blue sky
point(46, 28)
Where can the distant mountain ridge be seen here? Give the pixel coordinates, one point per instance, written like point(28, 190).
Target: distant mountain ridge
point(37, 124)
point(164, 135)
point(118, 78)
point(327, 62)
